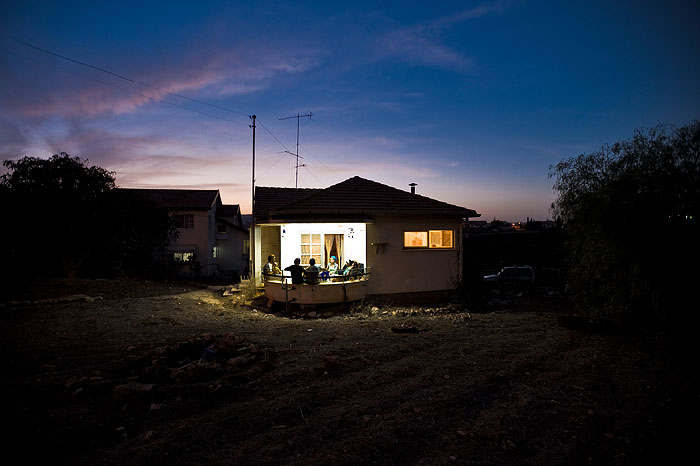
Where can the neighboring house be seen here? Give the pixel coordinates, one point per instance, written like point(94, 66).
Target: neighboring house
point(409, 243)
point(210, 236)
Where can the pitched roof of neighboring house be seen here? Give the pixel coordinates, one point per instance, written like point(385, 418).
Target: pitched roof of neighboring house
point(228, 210)
point(356, 197)
point(180, 199)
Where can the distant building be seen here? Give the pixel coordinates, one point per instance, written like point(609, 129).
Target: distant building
point(211, 237)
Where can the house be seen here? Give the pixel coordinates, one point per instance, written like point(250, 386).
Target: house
point(410, 244)
point(210, 236)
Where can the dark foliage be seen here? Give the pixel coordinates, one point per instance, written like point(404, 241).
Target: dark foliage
point(63, 216)
point(630, 212)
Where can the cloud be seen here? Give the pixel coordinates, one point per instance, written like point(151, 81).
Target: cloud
point(419, 45)
point(60, 87)
point(12, 140)
point(422, 44)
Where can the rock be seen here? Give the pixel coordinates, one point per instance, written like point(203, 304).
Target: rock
point(76, 382)
point(79, 394)
point(133, 392)
point(404, 328)
point(331, 362)
point(236, 362)
point(311, 314)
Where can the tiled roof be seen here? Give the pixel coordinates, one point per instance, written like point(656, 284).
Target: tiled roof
point(356, 197)
point(179, 199)
point(268, 200)
point(228, 210)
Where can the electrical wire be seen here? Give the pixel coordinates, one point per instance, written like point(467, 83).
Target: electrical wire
point(122, 88)
point(275, 137)
point(125, 78)
point(319, 160)
point(312, 174)
point(155, 99)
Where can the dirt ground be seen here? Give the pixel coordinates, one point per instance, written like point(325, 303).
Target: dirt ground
point(143, 373)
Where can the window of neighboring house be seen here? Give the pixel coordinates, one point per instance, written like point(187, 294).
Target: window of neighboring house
point(221, 228)
point(184, 220)
point(430, 239)
point(246, 246)
point(311, 247)
point(182, 257)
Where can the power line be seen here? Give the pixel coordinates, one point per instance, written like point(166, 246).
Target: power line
point(125, 78)
point(319, 160)
point(122, 88)
point(312, 174)
point(275, 137)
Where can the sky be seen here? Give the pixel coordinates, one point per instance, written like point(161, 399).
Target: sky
point(473, 101)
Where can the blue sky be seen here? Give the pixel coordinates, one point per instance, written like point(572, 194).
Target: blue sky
point(473, 101)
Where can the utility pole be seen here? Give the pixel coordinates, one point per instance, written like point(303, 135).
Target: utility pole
point(252, 198)
point(298, 117)
point(252, 260)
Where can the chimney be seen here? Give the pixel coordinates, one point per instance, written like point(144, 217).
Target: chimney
point(413, 187)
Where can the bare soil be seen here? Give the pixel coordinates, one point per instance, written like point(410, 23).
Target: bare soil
point(143, 373)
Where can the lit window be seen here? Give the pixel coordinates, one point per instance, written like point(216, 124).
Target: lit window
point(432, 239)
point(182, 257)
point(213, 252)
point(184, 220)
point(310, 247)
point(415, 239)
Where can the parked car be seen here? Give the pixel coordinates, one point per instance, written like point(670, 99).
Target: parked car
point(516, 276)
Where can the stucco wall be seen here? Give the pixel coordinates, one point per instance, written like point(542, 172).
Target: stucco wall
point(398, 270)
point(201, 239)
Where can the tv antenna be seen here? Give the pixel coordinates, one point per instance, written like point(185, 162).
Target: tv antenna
point(298, 117)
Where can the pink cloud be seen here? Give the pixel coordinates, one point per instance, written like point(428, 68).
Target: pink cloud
point(197, 74)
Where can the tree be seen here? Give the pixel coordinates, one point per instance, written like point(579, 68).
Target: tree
point(62, 214)
point(630, 216)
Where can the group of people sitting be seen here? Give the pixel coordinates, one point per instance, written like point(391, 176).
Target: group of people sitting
point(312, 274)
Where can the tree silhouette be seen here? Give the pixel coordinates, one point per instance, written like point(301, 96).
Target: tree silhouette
point(630, 215)
point(60, 214)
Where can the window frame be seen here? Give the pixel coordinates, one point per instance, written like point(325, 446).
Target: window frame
point(187, 221)
point(311, 244)
point(428, 234)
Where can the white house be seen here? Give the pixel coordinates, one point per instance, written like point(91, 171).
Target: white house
point(409, 243)
point(209, 233)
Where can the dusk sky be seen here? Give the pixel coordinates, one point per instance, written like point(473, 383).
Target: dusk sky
point(473, 101)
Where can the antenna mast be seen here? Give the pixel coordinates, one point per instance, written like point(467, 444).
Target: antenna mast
point(298, 117)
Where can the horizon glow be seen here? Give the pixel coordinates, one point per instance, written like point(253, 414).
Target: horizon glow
point(473, 101)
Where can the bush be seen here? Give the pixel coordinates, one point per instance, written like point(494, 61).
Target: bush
point(630, 215)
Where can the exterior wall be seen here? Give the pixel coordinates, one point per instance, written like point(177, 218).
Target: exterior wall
point(200, 239)
point(231, 257)
point(354, 243)
point(398, 270)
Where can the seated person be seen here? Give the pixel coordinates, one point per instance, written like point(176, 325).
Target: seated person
point(349, 265)
point(296, 271)
point(271, 267)
point(332, 266)
point(312, 272)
